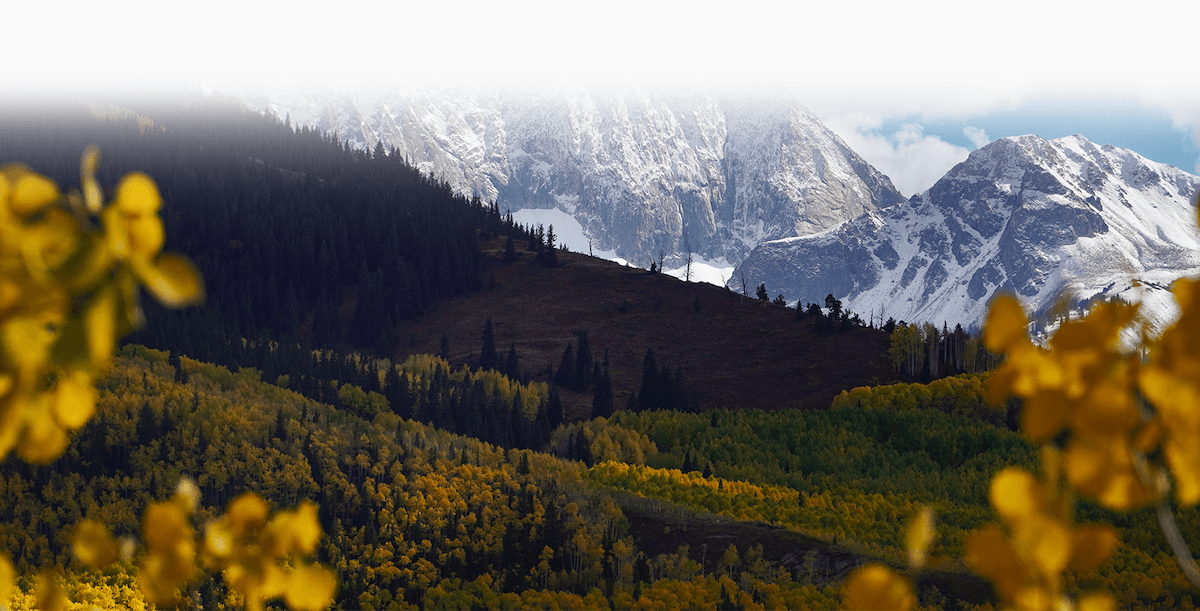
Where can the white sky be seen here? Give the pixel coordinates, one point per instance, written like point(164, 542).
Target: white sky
point(855, 64)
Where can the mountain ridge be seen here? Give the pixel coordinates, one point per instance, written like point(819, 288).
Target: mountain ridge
point(644, 172)
point(1041, 218)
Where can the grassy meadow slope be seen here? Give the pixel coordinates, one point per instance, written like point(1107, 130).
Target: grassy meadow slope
point(735, 352)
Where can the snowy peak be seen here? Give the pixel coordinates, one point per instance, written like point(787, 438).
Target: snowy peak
point(641, 171)
point(1044, 219)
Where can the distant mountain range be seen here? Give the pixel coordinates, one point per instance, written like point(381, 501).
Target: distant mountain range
point(1044, 219)
point(644, 173)
point(759, 182)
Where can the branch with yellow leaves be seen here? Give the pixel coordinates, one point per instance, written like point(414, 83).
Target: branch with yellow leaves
point(70, 272)
point(1118, 425)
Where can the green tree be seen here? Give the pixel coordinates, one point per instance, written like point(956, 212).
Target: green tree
point(488, 358)
point(602, 398)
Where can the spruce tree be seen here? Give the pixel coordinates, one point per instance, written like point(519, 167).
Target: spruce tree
point(510, 250)
point(487, 353)
point(648, 394)
point(512, 365)
point(583, 360)
point(566, 368)
point(602, 398)
point(554, 408)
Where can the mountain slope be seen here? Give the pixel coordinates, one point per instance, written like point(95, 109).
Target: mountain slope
point(642, 172)
point(1041, 218)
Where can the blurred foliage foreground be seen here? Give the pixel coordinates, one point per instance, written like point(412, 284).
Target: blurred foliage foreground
point(1117, 425)
point(70, 271)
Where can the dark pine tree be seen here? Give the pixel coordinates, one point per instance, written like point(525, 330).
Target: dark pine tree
point(512, 365)
point(566, 368)
point(648, 395)
point(602, 398)
point(510, 250)
point(488, 359)
point(583, 361)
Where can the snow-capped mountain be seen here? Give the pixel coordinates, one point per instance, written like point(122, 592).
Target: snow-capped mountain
point(642, 172)
point(1044, 219)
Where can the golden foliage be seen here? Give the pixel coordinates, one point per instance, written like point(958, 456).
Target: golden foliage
point(69, 272)
point(70, 268)
point(875, 586)
point(254, 552)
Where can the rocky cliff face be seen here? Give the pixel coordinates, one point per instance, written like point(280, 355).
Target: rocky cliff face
point(1043, 219)
point(642, 172)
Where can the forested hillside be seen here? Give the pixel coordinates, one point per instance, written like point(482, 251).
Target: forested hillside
point(481, 420)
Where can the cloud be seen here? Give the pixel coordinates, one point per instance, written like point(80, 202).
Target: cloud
point(977, 136)
point(912, 159)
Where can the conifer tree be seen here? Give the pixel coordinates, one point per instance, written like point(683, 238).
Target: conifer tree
point(554, 408)
point(512, 365)
point(510, 250)
point(602, 398)
point(566, 368)
point(648, 394)
point(487, 353)
point(583, 360)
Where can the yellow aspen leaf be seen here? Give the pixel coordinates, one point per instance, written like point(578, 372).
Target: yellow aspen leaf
point(48, 594)
point(311, 588)
point(306, 528)
point(919, 537)
point(992, 555)
point(245, 512)
point(146, 236)
point(27, 339)
point(8, 580)
point(1000, 384)
point(1047, 541)
point(1110, 410)
point(1096, 602)
point(116, 232)
point(100, 324)
point(1101, 468)
point(274, 581)
point(1185, 293)
point(43, 439)
point(137, 195)
point(875, 586)
point(89, 264)
point(164, 527)
point(1034, 598)
point(1015, 494)
point(1043, 415)
point(1006, 324)
point(93, 545)
point(1183, 456)
point(74, 399)
point(187, 494)
point(1093, 544)
point(218, 541)
point(49, 243)
point(173, 281)
point(31, 192)
point(92, 197)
